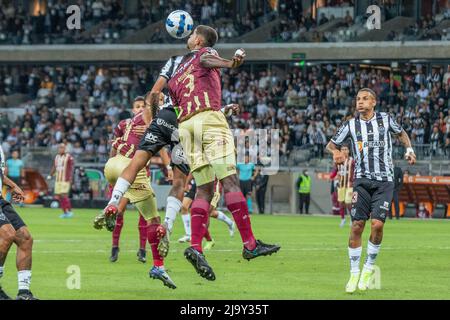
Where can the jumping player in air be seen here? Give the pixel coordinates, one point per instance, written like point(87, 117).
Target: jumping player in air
point(140, 193)
point(209, 145)
point(126, 137)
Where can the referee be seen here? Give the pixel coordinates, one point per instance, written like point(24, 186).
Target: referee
point(370, 135)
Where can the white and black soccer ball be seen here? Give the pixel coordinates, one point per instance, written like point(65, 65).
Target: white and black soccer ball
point(179, 24)
point(54, 204)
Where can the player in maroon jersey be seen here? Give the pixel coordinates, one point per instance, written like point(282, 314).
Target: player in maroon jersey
point(125, 141)
point(140, 193)
point(208, 144)
point(62, 168)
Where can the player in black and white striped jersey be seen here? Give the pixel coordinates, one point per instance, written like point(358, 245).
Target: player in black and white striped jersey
point(14, 230)
point(370, 135)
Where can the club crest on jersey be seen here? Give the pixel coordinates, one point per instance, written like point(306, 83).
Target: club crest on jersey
point(360, 146)
point(2, 216)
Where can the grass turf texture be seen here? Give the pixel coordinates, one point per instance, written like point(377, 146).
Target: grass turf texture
point(312, 263)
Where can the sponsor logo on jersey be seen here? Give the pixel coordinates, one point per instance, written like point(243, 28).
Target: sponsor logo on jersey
point(373, 144)
point(150, 137)
point(385, 206)
point(162, 122)
point(2, 216)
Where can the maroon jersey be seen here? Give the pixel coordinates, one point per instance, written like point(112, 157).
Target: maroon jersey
point(346, 171)
point(128, 134)
point(194, 88)
point(64, 167)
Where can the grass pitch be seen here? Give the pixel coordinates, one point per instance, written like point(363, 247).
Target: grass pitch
point(312, 263)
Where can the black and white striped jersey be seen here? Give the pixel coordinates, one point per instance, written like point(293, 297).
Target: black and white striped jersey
point(372, 145)
point(167, 72)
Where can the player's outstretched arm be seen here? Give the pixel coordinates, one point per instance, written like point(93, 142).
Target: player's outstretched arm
point(152, 99)
point(214, 61)
point(338, 157)
point(410, 155)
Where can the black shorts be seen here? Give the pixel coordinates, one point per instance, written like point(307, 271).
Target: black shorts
point(9, 216)
point(371, 199)
point(191, 193)
point(163, 131)
point(246, 187)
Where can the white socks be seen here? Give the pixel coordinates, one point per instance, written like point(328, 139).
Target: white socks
point(24, 278)
point(372, 252)
point(355, 256)
point(172, 208)
point(222, 217)
point(187, 223)
point(1, 271)
point(120, 188)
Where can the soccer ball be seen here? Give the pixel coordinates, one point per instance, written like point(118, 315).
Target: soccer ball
point(179, 24)
point(54, 204)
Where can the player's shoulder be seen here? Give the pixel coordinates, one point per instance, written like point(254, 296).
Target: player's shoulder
point(209, 50)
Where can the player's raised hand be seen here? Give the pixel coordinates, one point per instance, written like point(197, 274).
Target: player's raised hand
point(232, 109)
point(238, 58)
point(338, 157)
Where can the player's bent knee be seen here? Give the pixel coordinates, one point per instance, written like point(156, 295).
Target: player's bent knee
point(7, 236)
point(358, 226)
point(377, 225)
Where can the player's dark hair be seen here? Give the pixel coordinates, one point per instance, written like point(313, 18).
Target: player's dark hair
point(374, 95)
point(209, 34)
point(139, 98)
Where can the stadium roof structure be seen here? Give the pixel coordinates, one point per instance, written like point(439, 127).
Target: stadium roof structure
point(345, 51)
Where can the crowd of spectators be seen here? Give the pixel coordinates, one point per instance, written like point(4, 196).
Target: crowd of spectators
point(306, 104)
point(106, 21)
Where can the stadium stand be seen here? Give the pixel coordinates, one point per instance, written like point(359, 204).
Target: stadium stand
point(117, 21)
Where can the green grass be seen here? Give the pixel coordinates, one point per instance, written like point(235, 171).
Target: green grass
point(312, 264)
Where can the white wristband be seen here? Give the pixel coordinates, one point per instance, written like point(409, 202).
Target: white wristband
point(169, 167)
point(410, 150)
